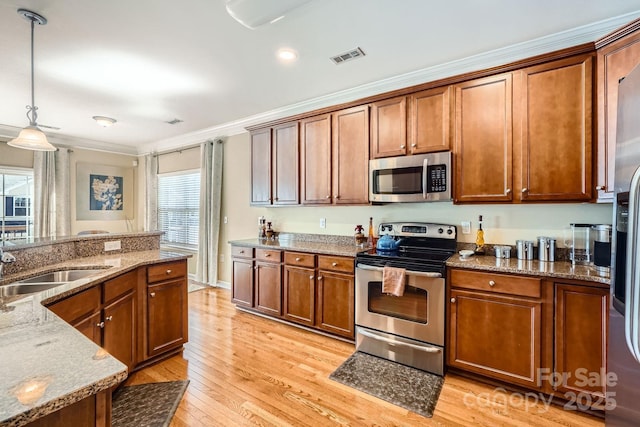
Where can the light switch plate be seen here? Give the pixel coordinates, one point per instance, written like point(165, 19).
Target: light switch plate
point(114, 245)
point(466, 227)
point(323, 222)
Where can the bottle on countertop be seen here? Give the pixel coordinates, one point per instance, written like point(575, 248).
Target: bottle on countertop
point(370, 239)
point(479, 238)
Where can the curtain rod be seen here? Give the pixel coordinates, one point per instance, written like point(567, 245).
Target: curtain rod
point(188, 147)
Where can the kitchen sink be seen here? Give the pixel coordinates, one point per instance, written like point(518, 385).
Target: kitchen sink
point(62, 276)
point(26, 288)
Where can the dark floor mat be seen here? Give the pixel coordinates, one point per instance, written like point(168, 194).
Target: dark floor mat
point(401, 385)
point(147, 405)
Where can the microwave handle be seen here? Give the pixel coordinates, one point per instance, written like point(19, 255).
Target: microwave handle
point(425, 168)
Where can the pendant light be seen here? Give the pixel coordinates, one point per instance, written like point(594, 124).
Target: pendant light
point(31, 137)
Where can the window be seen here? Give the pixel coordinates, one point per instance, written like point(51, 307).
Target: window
point(16, 195)
point(179, 208)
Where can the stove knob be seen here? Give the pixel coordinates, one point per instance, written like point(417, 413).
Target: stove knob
point(440, 230)
point(449, 231)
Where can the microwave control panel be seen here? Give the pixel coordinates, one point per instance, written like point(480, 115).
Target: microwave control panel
point(436, 178)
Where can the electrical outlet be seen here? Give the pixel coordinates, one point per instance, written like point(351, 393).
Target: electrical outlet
point(226, 220)
point(466, 227)
point(112, 246)
point(323, 222)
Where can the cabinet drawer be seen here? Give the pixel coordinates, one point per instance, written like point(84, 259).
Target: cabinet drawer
point(78, 306)
point(500, 283)
point(268, 255)
point(300, 259)
point(114, 288)
point(166, 271)
point(241, 252)
point(334, 263)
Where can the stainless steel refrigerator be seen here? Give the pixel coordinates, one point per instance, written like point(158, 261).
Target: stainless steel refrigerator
point(624, 316)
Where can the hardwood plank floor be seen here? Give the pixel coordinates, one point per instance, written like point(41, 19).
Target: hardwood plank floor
point(247, 370)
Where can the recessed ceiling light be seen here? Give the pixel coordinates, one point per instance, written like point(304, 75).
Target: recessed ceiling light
point(286, 54)
point(103, 121)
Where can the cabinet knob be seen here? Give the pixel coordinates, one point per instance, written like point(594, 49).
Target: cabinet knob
point(255, 267)
point(319, 278)
point(328, 197)
point(508, 190)
point(276, 199)
point(242, 252)
point(524, 190)
point(414, 145)
point(152, 294)
point(492, 283)
point(168, 271)
point(310, 277)
point(334, 264)
point(108, 318)
point(402, 146)
point(100, 325)
point(267, 255)
point(453, 300)
point(600, 187)
point(298, 259)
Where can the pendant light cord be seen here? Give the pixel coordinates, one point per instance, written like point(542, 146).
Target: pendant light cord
point(32, 109)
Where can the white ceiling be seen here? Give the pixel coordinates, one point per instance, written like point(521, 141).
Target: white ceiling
point(145, 62)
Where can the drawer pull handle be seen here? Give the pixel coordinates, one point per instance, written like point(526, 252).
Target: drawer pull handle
point(492, 283)
point(100, 325)
point(298, 259)
point(168, 271)
point(267, 255)
point(600, 187)
point(335, 264)
point(152, 294)
point(241, 252)
point(453, 300)
point(108, 318)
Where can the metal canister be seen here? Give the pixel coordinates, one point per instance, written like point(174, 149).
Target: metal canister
point(546, 249)
point(524, 249)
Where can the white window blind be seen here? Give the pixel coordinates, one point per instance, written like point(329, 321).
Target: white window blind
point(179, 208)
point(16, 195)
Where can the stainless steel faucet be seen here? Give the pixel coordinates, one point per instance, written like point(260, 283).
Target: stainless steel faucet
point(5, 258)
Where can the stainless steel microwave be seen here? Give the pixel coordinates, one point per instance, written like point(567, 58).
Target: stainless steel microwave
point(418, 178)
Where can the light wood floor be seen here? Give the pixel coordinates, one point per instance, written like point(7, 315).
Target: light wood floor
point(247, 370)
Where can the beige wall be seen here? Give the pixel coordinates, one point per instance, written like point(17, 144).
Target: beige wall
point(15, 157)
point(502, 223)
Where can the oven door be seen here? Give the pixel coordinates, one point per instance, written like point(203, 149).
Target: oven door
point(418, 314)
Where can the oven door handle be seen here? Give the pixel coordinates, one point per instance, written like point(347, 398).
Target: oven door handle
point(405, 344)
point(410, 273)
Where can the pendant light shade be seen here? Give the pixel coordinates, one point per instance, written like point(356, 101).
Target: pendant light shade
point(31, 137)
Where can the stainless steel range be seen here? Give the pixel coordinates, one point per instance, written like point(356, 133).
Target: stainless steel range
point(408, 329)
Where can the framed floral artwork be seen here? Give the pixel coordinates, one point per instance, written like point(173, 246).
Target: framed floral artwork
point(103, 192)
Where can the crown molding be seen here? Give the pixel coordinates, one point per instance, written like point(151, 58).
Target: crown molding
point(576, 36)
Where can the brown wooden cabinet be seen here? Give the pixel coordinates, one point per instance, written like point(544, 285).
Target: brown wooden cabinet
point(268, 282)
point(581, 322)
point(119, 336)
point(553, 104)
point(299, 295)
point(483, 140)
point(261, 167)
point(242, 276)
point(389, 127)
point(92, 411)
point(335, 306)
point(618, 54)
point(430, 113)
point(315, 163)
point(166, 307)
point(350, 139)
point(493, 330)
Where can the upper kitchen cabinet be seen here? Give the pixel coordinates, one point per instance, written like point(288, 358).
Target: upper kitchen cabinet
point(350, 140)
point(618, 54)
point(389, 127)
point(315, 163)
point(274, 165)
point(430, 120)
point(553, 107)
point(483, 140)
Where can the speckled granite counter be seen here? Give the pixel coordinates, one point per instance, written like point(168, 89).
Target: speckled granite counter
point(329, 247)
point(39, 351)
point(558, 269)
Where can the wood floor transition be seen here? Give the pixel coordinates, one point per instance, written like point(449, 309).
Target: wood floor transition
point(247, 370)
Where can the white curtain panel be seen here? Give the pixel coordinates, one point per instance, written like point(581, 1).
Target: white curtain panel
point(52, 202)
point(210, 201)
point(151, 189)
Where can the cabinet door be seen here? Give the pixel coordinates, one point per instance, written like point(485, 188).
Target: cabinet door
point(166, 316)
point(496, 336)
point(483, 140)
point(615, 61)
point(315, 142)
point(430, 120)
point(581, 316)
point(335, 303)
point(119, 337)
point(242, 284)
point(78, 306)
point(389, 127)
point(268, 288)
point(299, 295)
point(261, 167)
point(90, 327)
point(555, 138)
point(285, 164)
point(350, 138)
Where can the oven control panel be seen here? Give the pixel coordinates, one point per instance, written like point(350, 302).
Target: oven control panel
point(418, 229)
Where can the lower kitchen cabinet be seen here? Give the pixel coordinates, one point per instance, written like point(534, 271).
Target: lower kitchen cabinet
point(268, 295)
point(299, 295)
point(242, 288)
point(335, 303)
point(92, 411)
point(119, 337)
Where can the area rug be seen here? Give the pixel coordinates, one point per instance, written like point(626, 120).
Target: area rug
point(407, 387)
point(147, 405)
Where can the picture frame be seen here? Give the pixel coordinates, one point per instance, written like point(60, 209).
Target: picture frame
point(103, 193)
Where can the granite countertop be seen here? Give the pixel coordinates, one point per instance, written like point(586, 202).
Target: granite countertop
point(324, 248)
point(46, 364)
point(557, 269)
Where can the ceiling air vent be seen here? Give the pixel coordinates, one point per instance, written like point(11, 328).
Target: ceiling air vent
point(174, 121)
point(348, 56)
